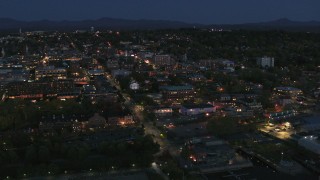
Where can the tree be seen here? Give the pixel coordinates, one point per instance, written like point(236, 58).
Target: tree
point(264, 99)
point(124, 82)
point(43, 154)
point(72, 153)
point(31, 154)
point(103, 147)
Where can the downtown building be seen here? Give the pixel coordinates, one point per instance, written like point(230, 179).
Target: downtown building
point(176, 93)
point(61, 89)
point(50, 72)
point(163, 60)
point(265, 62)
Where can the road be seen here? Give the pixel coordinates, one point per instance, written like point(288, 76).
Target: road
point(149, 128)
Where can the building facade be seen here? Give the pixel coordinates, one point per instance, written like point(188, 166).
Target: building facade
point(175, 93)
point(162, 60)
point(265, 62)
point(193, 109)
point(50, 72)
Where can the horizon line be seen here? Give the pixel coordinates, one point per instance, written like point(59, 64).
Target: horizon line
point(168, 20)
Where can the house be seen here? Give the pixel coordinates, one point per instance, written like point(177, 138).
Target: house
point(196, 109)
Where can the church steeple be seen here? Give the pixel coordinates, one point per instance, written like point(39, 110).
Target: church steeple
point(3, 53)
point(27, 50)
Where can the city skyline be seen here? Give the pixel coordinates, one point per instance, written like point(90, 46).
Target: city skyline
point(207, 12)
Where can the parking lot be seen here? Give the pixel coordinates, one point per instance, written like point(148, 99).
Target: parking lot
point(280, 131)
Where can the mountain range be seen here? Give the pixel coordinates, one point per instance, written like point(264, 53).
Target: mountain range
point(7, 24)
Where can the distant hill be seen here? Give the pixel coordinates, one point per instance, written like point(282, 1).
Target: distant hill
point(279, 24)
point(103, 23)
point(125, 24)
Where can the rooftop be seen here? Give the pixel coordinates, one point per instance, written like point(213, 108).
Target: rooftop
point(176, 88)
point(286, 88)
point(192, 106)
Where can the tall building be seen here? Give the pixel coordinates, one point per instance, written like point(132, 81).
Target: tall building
point(162, 60)
point(265, 62)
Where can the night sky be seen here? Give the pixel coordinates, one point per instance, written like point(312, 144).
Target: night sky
point(195, 11)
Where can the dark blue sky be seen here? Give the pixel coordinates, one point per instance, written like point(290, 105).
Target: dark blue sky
point(199, 11)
